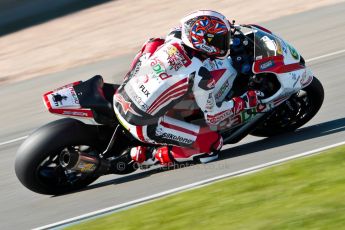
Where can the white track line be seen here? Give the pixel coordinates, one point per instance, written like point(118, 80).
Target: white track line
point(309, 60)
point(180, 189)
point(13, 140)
point(326, 55)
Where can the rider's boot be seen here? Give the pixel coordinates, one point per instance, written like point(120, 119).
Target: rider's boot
point(166, 155)
point(143, 155)
point(213, 155)
point(163, 155)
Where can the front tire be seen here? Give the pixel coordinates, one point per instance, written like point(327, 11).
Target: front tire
point(293, 113)
point(37, 166)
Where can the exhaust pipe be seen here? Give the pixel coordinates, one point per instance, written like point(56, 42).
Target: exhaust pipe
point(84, 163)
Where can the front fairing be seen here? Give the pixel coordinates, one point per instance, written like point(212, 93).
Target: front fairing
point(273, 55)
point(268, 46)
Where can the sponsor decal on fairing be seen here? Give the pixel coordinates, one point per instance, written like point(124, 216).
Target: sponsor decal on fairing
point(281, 47)
point(267, 65)
point(58, 99)
point(64, 97)
point(305, 80)
point(75, 113)
point(293, 52)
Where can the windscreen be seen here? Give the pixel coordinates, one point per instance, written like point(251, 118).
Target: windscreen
point(266, 45)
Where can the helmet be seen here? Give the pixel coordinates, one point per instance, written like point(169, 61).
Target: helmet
point(207, 31)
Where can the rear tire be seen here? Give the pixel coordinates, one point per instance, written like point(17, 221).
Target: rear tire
point(43, 147)
point(306, 103)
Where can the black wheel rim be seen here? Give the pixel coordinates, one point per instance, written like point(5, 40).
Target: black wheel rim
point(292, 111)
point(49, 171)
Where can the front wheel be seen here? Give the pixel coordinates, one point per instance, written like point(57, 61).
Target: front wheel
point(293, 113)
point(38, 165)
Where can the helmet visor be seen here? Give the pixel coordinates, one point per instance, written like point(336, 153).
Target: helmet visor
point(220, 41)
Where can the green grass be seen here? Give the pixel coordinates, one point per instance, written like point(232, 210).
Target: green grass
point(307, 193)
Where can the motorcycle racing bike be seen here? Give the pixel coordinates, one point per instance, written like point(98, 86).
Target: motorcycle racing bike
point(71, 153)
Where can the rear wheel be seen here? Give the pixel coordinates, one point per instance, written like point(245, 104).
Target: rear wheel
point(293, 113)
point(38, 161)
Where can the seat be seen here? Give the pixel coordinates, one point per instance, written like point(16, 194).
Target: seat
point(97, 96)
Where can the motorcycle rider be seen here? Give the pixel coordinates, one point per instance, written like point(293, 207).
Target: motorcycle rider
point(163, 73)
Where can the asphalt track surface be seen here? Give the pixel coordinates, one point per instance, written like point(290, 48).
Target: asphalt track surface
point(313, 33)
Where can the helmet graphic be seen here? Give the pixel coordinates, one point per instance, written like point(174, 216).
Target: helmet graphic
point(208, 32)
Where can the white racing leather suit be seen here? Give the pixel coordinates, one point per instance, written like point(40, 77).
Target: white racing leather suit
point(164, 77)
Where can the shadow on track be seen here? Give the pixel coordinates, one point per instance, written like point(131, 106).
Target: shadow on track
point(319, 130)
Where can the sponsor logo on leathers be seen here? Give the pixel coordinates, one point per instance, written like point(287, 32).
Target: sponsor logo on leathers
point(173, 137)
point(170, 136)
point(210, 102)
point(215, 119)
point(158, 69)
point(222, 89)
point(144, 90)
point(140, 102)
point(175, 58)
point(126, 106)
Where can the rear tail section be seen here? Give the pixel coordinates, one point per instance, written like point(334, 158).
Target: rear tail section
point(89, 101)
point(64, 101)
